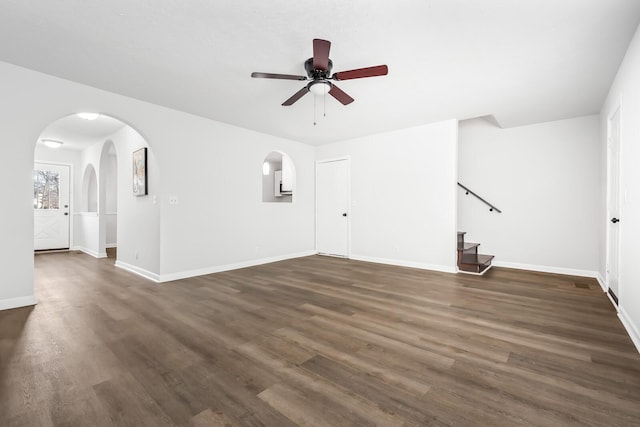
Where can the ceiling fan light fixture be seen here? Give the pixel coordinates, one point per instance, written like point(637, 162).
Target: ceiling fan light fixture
point(88, 116)
point(318, 69)
point(320, 87)
point(52, 143)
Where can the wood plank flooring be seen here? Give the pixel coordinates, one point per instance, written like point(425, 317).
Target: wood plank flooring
point(314, 341)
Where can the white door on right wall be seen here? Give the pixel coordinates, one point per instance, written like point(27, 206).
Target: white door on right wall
point(332, 207)
point(613, 208)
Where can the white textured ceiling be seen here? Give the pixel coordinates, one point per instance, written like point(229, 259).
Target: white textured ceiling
point(521, 61)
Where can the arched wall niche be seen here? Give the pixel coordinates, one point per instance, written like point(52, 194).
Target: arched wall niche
point(278, 178)
point(89, 201)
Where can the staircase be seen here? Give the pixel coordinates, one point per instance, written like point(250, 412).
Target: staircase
point(469, 260)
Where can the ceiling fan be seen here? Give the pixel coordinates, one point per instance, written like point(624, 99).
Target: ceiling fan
point(319, 75)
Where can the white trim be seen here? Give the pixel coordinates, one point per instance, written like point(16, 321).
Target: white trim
point(8, 304)
point(616, 108)
point(346, 158)
point(473, 273)
point(237, 265)
point(547, 269)
point(613, 302)
point(602, 283)
point(111, 213)
point(88, 252)
point(404, 263)
point(111, 245)
point(632, 329)
point(90, 214)
point(139, 271)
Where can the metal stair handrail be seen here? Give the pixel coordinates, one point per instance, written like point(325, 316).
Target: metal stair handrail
point(491, 207)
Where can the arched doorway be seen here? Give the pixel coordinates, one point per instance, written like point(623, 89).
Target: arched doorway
point(91, 147)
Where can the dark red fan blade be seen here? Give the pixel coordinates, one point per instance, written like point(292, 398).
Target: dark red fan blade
point(339, 94)
point(299, 94)
point(378, 70)
point(277, 76)
point(321, 54)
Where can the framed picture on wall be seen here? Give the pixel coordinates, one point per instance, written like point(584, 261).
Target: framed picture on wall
point(140, 172)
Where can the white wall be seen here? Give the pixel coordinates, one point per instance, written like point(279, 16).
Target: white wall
point(625, 92)
point(546, 180)
point(220, 221)
point(268, 183)
point(213, 168)
point(403, 195)
point(110, 213)
point(86, 234)
point(138, 216)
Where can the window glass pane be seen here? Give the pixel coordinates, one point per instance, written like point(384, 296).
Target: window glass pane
point(46, 189)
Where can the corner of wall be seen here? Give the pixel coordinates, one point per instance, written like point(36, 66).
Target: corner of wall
point(631, 328)
point(8, 304)
point(139, 271)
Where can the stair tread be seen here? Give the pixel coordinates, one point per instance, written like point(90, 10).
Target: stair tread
point(465, 246)
point(476, 259)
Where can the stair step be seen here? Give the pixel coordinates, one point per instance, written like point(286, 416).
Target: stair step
point(465, 246)
point(476, 259)
point(469, 260)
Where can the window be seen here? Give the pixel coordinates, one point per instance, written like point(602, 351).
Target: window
point(46, 189)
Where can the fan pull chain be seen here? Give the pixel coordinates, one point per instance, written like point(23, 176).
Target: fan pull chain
point(324, 107)
point(314, 110)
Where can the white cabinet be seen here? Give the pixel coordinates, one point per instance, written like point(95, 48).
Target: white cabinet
point(283, 179)
point(287, 175)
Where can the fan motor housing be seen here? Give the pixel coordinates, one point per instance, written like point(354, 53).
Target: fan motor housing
point(317, 74)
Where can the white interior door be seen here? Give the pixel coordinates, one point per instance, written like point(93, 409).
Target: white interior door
point(51, 206)
point(332, 207)
point(613, 229)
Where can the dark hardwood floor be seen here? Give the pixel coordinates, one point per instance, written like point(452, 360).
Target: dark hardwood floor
point(314, 341)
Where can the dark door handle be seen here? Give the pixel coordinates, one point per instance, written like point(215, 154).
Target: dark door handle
point(344, 214)
point(614, 220)
point(66, 213)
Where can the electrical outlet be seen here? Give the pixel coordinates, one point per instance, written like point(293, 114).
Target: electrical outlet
point(173, 200)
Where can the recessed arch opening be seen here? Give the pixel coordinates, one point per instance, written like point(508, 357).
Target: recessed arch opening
point(278, 178)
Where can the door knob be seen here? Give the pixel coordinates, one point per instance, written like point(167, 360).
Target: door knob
point(344, 214)
point(66, 213)
point(614, 220)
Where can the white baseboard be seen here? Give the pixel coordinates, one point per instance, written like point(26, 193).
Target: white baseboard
point(547, 269)
point(139, 271)
point(404, 263)
point(220, 268)
point(632, 329)
point(89, 252)
point(602, 282)
point(111, 245)
point(8, 304)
